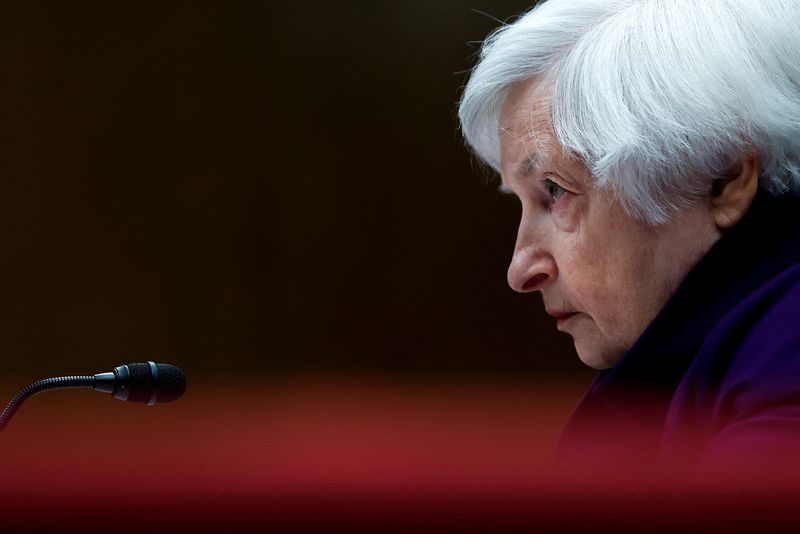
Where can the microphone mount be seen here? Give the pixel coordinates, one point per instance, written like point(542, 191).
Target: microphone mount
point(147, 383)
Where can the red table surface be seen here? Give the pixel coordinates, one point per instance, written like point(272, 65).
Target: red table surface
point(350, 454)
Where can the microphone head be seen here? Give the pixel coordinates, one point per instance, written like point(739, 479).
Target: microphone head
point(149, 382)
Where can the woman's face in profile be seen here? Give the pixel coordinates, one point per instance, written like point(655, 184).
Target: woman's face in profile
point(602, 274)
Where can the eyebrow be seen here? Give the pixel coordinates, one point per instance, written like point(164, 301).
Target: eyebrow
point(533, 161)
point(503, 188)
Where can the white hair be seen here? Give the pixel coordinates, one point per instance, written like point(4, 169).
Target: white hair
point(656, 97)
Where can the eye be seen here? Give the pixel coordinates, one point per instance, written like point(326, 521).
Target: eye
point(554, 190)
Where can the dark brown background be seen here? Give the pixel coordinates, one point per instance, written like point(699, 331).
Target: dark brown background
point(254, 187)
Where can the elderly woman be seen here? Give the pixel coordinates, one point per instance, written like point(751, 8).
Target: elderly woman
point(654, 147)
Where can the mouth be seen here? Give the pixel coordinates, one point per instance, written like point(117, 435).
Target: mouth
point(561, 317)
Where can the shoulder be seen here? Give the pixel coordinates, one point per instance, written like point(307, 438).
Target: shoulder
point(741, 396)
point(752, 355)
point(762, 338)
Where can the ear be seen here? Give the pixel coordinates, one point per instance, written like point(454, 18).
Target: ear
point(732, 193)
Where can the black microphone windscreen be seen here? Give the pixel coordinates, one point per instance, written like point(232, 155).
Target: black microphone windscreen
point(172, 382)
point(150, 382)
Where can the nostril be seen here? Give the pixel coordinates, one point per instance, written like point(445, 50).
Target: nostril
point(534, 282)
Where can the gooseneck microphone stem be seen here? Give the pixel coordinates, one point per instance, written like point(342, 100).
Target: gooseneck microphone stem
point(146, 383)
point(48, 384)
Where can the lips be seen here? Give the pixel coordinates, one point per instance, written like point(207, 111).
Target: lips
point(561, 317)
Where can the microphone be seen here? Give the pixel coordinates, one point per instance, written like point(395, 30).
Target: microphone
point(147, 383)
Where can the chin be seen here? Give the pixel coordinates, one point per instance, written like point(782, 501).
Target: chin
point(597, 358)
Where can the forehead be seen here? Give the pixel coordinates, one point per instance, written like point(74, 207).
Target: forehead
point(525, 130)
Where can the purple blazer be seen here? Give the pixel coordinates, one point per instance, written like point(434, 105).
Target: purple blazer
point(715, 378)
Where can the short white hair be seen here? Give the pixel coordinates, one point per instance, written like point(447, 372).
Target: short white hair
point(656, 97)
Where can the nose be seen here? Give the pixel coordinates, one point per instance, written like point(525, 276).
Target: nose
point(531, 266)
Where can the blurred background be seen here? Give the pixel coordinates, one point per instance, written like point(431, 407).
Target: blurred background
point(255, 187)
point(274, 196)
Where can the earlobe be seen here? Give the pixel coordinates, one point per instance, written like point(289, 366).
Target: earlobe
point(732, 194)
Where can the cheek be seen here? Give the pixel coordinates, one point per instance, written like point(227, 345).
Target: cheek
point(587, 280)
point(603, 281)
point(629, 294)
